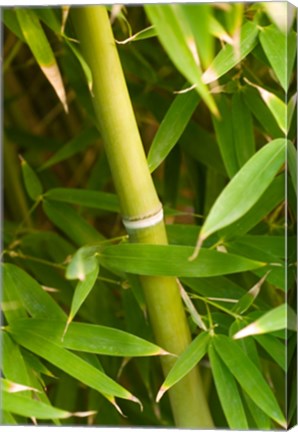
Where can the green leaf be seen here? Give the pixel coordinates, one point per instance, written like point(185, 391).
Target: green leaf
point(32, 182)
point(227, 391)
point(274, 347)
point(10, 20)
point(146, 33)
point(172, 127)
point(49, 18)
point(171, 260)
point(41, 345)
point(242, 121)
point(230, 56)
point(292, 163)
point(185, 362)
point(77, 144)
point(224, 133)
point(71, 223)
point(273, 196)
point(249, 377)
point(282, 14)
point(178, 40)
point(41, 50)
point(83, 262)
point(247, 300)
point(22, 405)
point(199, 19)
point(85, 198)
point(279, 318)
point(260, 110)
point(85, 67)
point(34, 299)
point(280, 50)
point(253, 178)
point(82, 290)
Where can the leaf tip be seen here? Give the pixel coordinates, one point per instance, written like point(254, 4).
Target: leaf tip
point(161, 392)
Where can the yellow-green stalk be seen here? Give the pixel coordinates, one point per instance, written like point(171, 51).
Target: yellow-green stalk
point(139, 203)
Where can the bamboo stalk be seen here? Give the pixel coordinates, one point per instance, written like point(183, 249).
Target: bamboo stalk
point(139, 202)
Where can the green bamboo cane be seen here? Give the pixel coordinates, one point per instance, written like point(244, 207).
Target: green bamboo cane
point(140, 206)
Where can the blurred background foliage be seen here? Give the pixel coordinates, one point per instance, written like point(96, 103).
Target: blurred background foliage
point(46, 148)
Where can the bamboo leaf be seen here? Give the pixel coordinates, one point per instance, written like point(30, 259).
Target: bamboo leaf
point(22, 405)
point(253, 178)
point(185, 362)
point(282, 14)
point(249, 377)
point(77, 144)
point(82, 290)
point(280, 49)
point(71, 223)
point(242, 121)
point(172, 127)
point(83, 262)
point(86, 69)
point(247, 300)
point(13, 387)
point(224, 133)
point(230, 56)
point(146, 33)
point(32, 182)
point(85, 198)
point(34, 299)
point(179, 42)
point(274, 347)
point(279, 318)
point(227, 391)
point(260, 110)
point(292, 163)
point(41, 50)
point(43, 346)
point(171, 260)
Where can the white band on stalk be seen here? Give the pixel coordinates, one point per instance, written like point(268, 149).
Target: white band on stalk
point(144, 222)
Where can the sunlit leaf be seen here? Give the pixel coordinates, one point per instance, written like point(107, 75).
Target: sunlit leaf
point(41, 49)
point(146, 33)
point(227, 391)
point(249, 377)
point(83, 262)
point(230, 55)
point(279, 318)
point(185, 362)
point(280, 49)
point(253, 178)
point(292, 163)
point(179, 42)
point(281, 13)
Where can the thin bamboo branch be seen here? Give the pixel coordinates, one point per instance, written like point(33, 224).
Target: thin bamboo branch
point(139, 203)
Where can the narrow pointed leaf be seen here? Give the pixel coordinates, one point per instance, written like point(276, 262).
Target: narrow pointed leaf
point(83, 262)
point(247, 300)
point(281, 13)
point(34, 299)
point(23, 406)
point(230, 55)
point(82, 290)
point(32, 182)
point(185, 362)
point(172, 127)
point(70, 363)
point(85, 67)
point(71, 223)
point(249, 377)
point(228, 392)
point(242, 120)
point(277, 107)
point(172, 260)
point(280, 49)
point(146, 33)
point(91, 338)
point(274, 347)
point(224, 133)
point(13, 387)
point(253, 178)
point(292, 163)
point(85, 198)
point(41, 49)
point(279, 318)
point(179, 43)
point(77, 144)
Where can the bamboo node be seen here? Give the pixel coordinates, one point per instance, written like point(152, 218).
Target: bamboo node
point(143, 222)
